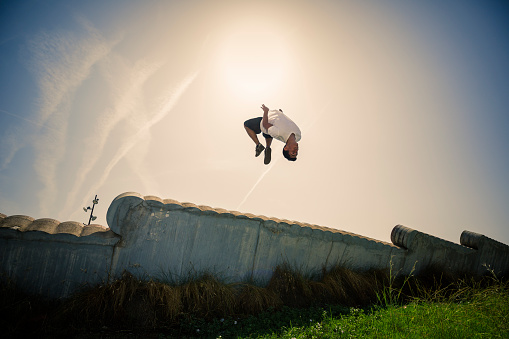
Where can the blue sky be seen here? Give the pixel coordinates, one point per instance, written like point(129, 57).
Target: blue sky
point(402, 107)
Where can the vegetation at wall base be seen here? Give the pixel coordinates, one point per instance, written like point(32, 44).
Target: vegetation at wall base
point(338, 303)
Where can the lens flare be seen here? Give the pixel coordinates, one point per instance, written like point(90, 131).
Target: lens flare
point(253, 62)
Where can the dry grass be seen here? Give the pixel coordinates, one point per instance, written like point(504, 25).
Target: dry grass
point(293, 289)
point(252, 299)
point(352, 288)
point(130, 302)
point(167, 300)
point(434, 283)
point(124, 301)
point(207, 297)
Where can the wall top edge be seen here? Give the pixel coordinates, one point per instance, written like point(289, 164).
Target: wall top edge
point(171, 204)
point(23, 223)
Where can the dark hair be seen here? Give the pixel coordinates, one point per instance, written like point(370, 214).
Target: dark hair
point(287, 155)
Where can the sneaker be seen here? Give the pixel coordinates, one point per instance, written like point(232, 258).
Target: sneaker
point(259, 149)
point(266, 160)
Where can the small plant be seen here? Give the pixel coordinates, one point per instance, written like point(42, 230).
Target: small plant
point(86, 209)
point(392, 290)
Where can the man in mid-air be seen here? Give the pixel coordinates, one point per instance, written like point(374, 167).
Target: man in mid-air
point(274, 124)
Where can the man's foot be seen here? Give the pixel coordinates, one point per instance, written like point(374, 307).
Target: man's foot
point(267, 158)
point(259, 149)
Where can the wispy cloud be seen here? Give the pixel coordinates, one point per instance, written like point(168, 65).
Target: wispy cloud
point(127, 83)
point(35, 123)
point(61, 61)
point(10, 143)
point(16, 137)
point(167, 104)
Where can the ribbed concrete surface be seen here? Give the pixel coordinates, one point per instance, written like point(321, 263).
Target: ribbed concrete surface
point(164, 238)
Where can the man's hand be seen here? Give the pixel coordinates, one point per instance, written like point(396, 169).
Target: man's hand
point(265, 118)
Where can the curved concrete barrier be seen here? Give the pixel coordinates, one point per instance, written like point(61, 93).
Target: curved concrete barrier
point(492, 255)
point(402, 236)
point(53, 259)
point(471, 239)
point(163, 238)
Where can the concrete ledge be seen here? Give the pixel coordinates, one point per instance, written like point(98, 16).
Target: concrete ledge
point(132, 199)
point(23, 223)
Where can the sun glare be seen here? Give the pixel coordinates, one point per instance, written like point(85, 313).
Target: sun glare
point(253, 62)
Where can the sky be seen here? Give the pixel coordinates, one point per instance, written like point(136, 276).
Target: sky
point(403, 108)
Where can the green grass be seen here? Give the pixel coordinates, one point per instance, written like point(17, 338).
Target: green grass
point(486, 315)
point(470, 312)
point(338, 304)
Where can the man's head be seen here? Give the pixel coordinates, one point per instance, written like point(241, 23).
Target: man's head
point(290, 151)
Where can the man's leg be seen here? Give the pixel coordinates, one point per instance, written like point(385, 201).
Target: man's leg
point(268, 150)
point(252, 135)
point(268, 142)
point(252, 127)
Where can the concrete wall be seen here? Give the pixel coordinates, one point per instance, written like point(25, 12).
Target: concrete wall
point(161, 237)
point(54, 259)
point(152, 237)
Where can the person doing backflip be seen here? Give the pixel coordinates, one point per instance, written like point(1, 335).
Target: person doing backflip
point(274, 124)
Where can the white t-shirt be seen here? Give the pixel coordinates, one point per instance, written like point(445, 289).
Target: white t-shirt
point(282, 126)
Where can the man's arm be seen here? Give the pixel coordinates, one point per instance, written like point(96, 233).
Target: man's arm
point(265, 120)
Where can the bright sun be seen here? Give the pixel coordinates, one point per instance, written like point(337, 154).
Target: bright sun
point(253, 62)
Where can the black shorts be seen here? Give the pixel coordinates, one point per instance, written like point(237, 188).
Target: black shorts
point(254, 124)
